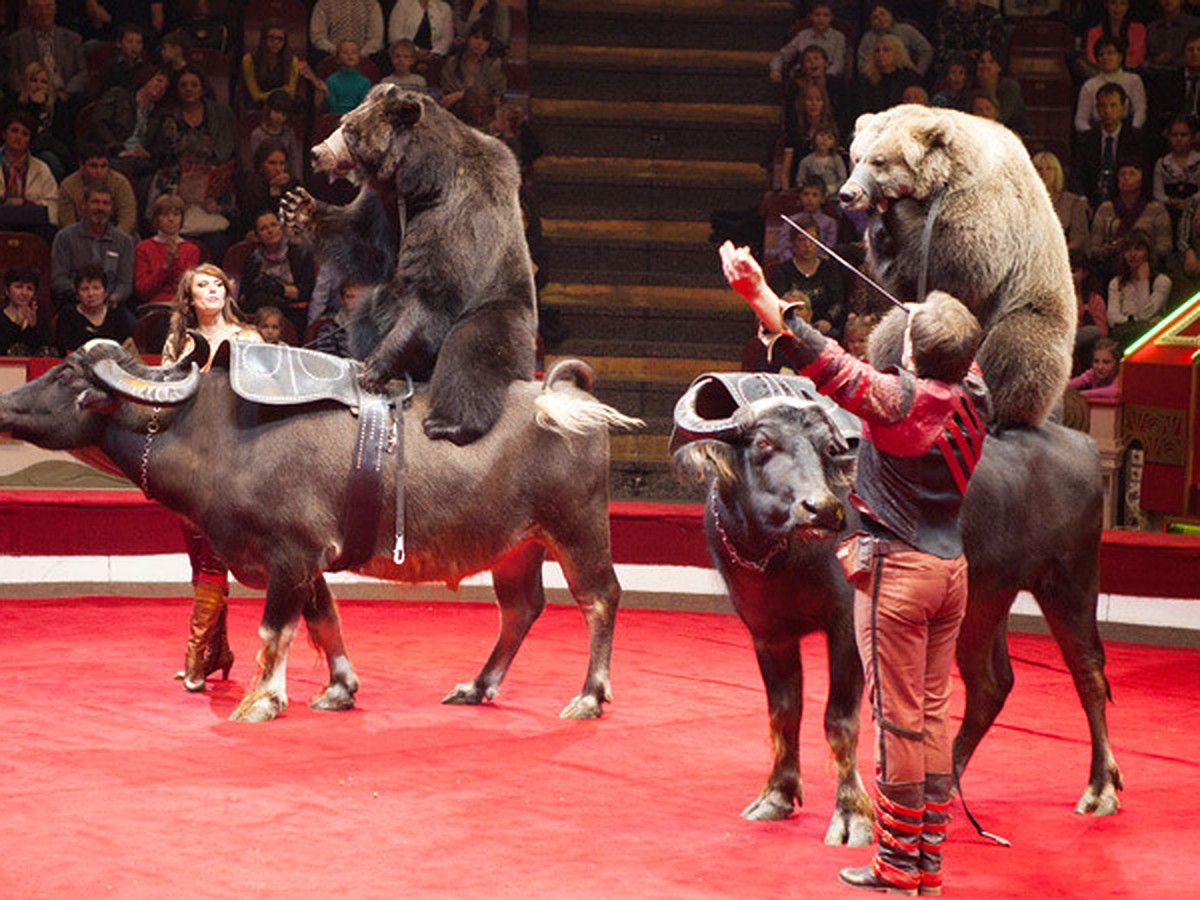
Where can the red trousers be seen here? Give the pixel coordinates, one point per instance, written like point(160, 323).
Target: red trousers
point(907, 628)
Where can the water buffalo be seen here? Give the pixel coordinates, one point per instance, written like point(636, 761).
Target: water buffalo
point(778, 470)
point(268, 485)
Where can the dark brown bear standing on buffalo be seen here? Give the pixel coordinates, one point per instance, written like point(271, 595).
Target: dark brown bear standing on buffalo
point(436, 230)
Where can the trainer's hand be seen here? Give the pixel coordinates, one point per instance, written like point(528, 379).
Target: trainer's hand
point(745, 276)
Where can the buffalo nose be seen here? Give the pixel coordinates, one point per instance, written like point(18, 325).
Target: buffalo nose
point(825, 512)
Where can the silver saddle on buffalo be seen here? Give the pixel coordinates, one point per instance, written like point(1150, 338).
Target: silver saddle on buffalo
point(711, 403)
point(280, 375)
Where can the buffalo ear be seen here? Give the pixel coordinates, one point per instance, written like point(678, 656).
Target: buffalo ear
point(704, 461)
point(93, 399)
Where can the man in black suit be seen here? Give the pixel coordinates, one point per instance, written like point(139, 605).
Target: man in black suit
point(1094, 161)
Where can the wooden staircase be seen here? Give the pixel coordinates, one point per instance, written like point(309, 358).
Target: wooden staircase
point(653, 113)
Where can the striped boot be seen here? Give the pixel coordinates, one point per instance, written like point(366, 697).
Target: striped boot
point(933, 832)
point(898, 820)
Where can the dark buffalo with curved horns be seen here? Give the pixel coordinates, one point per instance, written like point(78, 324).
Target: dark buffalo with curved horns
point(779, 460)
point(268, 485)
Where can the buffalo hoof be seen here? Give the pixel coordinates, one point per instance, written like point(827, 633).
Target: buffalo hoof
point(850, 829)
point(257, 707)
point(335, 697)
point(585, 706)
point(1099, 803)
point(467, 694)
point(770, 806)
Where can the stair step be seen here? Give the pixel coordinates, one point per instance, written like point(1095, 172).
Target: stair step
point(748, 25)
point(663, 297)
point(624, 251)
point(661, 172)
point(642, 111)
point(652, 73)
point(680, 371)
point(717, 333)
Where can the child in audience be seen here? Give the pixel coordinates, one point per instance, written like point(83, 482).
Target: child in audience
point(954, 92)
point(269, 323)
point(403, 54)
point(347, 86)
point(1100, 382)
point(276, 125)
point(824, 162)
point(856, 333)
point(812, 202)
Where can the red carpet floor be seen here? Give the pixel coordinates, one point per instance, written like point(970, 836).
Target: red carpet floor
point(115, 782)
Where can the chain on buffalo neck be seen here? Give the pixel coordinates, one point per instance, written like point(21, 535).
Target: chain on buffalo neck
point(760, 566)
point(151, 431)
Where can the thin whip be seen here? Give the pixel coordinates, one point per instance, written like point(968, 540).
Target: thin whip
point(833, 253)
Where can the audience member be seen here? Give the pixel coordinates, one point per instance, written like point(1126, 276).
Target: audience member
point(334, 21)
point(1100, 381)
point(94, 169)
point(824, 162)
point(124, 121)
point(403, 54)
point(1166, 36)
point(273, 66)
point(101, 20)
point(1115, 24)
point(22, 333)
point(511, 125)
point(814, 67)
point(1109, 59)
point(275, 125)
point(269, 324)
point(1093, 162)
point(820, 280)
point(1031, 9)
point(857, 333)
point(92, 241)
point(265, 185)
point(346, 87)
point(123, 68)
point(1182, 93)
point(970, 27)
point(884, 79)
point(1130, 210)
point(59, 49)
point(1187, 241)
point(492, 13)
point(173, 53)
point(1005, 92)
point(1072, 209)
point(277, 273)
point(1091, 313)
point(882, 21)
point(809, 112)
point(94, 314)
point(28, 191)
point(820, 33)
point(429, 24)
point(194, 125)
point(954, 92)
point(203, 21)
point(1138, 292)
point(160, 261)
point(52, 139)
point(1177, 172)
point(473, 66)
point(331, 333)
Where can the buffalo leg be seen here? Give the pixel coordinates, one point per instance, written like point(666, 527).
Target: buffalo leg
point(985, 668)
point(519, 593)
point(783, 677)
point(325, 630)
point(598, 593)
point(852, 816)
point(281, 618)
point(1072, 621)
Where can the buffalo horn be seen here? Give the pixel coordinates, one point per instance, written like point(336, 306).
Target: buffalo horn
point(122, 373)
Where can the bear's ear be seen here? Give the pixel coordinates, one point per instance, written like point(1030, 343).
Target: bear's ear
point(937, 133)
point(408, 113)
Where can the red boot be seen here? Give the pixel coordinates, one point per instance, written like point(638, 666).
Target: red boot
point(933, 832)
point(899, 809)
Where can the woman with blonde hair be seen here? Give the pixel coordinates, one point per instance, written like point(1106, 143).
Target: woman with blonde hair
point(1072, 209)
point(887, 76)
point(204, 303)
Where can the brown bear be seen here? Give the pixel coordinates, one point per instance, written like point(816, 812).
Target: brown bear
point(995, 242)
point(436, 232)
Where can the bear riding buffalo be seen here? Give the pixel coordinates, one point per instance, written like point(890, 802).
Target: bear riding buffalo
point(779, 459)
point(268, 486)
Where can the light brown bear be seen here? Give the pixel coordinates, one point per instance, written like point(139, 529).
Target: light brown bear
point(995, 243)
